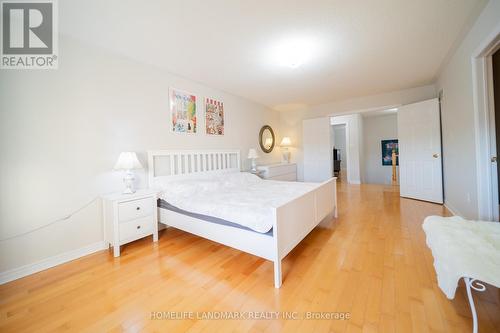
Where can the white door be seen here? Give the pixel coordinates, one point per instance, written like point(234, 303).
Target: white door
point(420, 164)
point(318, 149)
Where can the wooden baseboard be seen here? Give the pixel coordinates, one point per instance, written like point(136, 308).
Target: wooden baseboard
point(19, 272)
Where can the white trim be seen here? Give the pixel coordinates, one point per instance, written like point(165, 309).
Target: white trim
point(365, 110)
point(19, 272)
point(492, 137)
point(452, 209)
point(482, 126)
point(348, 156)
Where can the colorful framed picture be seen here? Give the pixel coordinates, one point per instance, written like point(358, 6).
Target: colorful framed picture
point(214, 117)
point(388, 146)
point(183, 117)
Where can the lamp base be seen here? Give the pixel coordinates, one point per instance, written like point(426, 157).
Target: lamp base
point(128, 180)
point(128, 191)
point(285, 157)
point(254, 165)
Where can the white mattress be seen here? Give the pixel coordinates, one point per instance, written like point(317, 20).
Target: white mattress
point(241, 198)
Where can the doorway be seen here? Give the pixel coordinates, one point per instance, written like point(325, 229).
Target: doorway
point(353, 145)
point(381, 147)
point(339, 140)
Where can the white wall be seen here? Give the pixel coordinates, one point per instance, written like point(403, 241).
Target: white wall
point(354, 142)
point(457, 113)
point(376, 129)
point(318, 153)
point(61, 132)
point(291, 120)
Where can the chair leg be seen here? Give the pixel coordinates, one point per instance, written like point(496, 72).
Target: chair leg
point(277, 274)
point(469, 284)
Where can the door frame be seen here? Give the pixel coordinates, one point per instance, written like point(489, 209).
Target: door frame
point(347, 144)
point(334, 120)
point(484, 125)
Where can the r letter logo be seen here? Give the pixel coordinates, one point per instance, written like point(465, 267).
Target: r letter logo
point(29, 34)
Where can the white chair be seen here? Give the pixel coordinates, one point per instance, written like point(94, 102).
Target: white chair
point(464, 249)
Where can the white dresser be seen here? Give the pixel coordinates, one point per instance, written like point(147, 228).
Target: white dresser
point(128, 217)
point(279, 171)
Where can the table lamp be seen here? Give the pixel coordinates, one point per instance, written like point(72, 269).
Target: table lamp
point(128, 161)
point(252, 154)
point(285, 144)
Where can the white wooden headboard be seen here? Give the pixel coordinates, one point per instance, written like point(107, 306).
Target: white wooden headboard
point(169, 164)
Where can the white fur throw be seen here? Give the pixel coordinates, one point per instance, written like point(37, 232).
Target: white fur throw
point(463, 248)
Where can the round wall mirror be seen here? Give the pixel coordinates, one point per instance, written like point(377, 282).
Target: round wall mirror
point(266, 139)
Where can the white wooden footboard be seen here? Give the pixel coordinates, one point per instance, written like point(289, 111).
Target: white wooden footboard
point(295, 219)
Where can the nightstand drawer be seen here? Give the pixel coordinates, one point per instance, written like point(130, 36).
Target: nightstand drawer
point(281, 169)
point(135, 209)
point(292, 177)
point(136, 229)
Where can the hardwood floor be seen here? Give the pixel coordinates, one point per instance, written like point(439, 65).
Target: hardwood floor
point(372, 263)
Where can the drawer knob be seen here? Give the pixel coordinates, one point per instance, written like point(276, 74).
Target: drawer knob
point(138, 227)
point(138, 208)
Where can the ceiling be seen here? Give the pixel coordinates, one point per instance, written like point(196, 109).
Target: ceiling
point(354, 48)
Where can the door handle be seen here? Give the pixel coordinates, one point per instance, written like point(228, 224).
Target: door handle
point(436, 155)
point(493, 159)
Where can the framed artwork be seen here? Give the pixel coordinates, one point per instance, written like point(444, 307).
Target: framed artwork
point(388, 146)
point(214, 117)
point(182, 111)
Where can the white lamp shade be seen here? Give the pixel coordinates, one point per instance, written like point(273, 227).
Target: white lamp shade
point(128, 161)
point(252, 153)
point(286, 142)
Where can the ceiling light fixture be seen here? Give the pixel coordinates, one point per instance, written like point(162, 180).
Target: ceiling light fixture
point(294, 52)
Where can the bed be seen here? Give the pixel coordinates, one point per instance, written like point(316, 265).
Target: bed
point(204, 193)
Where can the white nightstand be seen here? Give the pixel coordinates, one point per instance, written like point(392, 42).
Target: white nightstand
point(257, 172)
point(279, 171)
point(128, 217)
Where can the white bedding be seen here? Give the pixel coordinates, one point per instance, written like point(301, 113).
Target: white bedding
point(238, 197)
point(463, 248)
